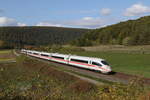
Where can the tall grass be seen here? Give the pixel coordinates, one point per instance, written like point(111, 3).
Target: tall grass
point(30, 79)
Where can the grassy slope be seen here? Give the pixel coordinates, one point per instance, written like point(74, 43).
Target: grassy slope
point(137, 64)
point(29, 79)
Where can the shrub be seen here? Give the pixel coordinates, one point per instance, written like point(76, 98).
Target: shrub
point(81, 86)
point(131, 91)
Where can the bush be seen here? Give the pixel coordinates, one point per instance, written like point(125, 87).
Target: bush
point(5, 45)
point(131, 91)
point(81, 87)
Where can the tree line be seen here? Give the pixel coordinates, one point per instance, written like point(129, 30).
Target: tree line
point(11, 37)
point(131, 32)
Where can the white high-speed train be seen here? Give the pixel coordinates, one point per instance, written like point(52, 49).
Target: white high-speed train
point(78, 61)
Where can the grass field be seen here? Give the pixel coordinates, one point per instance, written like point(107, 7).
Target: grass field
point(136, 64)
point(6, 55)
point(120, 48)
point(5, 51)
point(133, 60)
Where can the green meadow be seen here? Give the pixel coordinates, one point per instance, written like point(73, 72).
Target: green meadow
point(5, 51)
point(130, 63)
point(6, 55)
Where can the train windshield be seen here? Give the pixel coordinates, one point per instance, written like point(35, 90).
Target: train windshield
point(104, 62)
point(97, 64)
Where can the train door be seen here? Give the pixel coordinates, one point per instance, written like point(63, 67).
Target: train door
point(90, 63)
point(66, 58)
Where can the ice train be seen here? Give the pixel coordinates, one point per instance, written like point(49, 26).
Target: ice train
point(78, 61)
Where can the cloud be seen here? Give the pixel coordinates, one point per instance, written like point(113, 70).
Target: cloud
point(48, 24)
point(87, 18)
point(87, 22)
point(137, 9)
point(65, 12)
point(21, 24)
point(105, 11)
point(4, 21)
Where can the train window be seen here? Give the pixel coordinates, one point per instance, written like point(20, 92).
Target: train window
point(77, 60)
point(35, 53)
point(95, 63)
point(44, 55)
point(58, 57)
point(104, 62)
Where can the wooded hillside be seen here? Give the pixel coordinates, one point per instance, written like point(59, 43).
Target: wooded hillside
point(132, 32)
point(19, 36)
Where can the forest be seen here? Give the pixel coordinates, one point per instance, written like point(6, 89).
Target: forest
point(131, 32)
point(17, 37)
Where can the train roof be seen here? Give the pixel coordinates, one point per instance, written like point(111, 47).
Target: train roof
point(84, 57)
point(71, 56)
point(57, 54)
point(46, 53)
point(78, 57)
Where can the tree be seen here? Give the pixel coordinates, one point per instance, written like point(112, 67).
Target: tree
point(132, 32)
point(126, 41)
point(2, 44)
point(5, 45)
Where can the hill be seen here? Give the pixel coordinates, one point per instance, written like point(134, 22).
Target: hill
point(131, 32)
point(19, 36)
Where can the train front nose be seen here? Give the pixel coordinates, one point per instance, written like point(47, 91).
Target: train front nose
point(107, 69)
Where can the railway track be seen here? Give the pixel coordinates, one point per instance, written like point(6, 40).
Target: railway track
point(113, 77)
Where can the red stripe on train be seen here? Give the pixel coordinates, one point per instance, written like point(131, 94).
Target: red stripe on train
point(67, 61)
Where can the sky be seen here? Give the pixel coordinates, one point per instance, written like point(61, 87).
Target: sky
point(71, 13)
